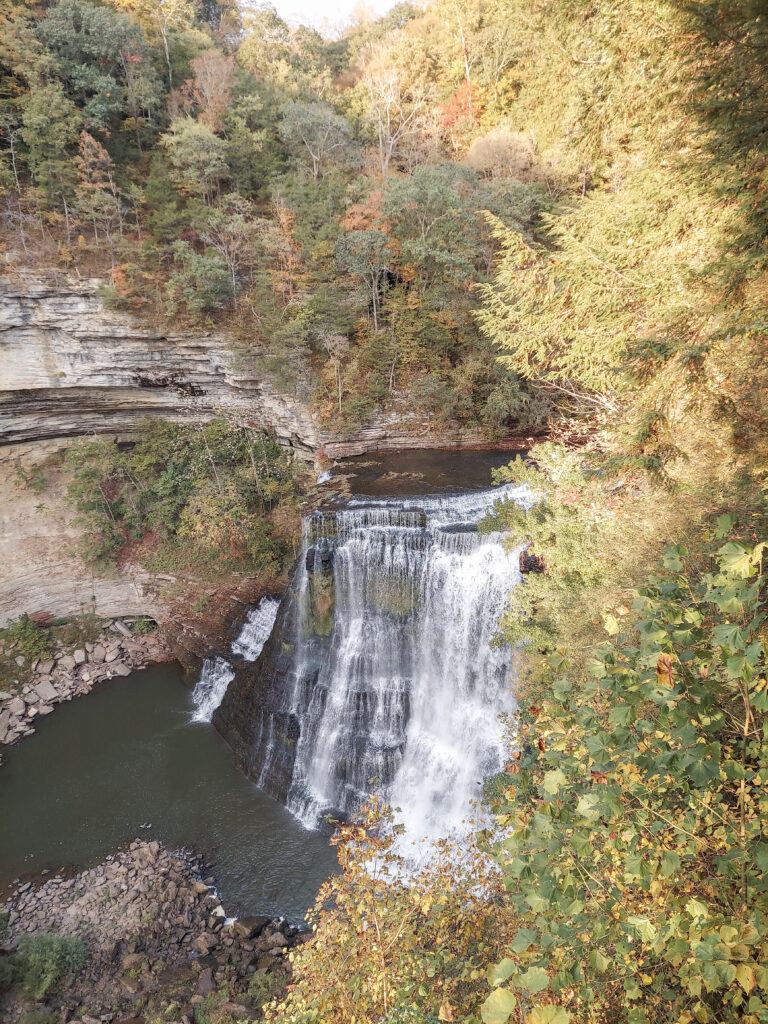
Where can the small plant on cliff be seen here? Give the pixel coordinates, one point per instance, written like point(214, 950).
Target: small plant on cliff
point(42, 960)
point(27, 638)
point(197, 500)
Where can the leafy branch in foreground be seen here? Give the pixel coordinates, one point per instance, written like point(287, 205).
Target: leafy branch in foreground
point(636, 854)
point(400, 949)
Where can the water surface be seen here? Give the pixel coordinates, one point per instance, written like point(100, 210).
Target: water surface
point(128, 755)
point(422, 471)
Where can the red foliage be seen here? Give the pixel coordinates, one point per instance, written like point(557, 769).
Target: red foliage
point(465, 103)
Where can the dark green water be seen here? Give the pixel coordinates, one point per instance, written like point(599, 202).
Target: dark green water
point(400, 474)
point(127, 755)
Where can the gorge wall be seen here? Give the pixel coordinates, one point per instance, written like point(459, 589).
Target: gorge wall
point(70, 367)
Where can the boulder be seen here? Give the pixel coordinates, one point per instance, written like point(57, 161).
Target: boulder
point(250, 927)
point(206, 942)
point(529, 562)
point(67, 662)
point(79, 656)
point(15, 707)
point(46, 691)
point(206, 984)
point(99, 654)
point(45, 667)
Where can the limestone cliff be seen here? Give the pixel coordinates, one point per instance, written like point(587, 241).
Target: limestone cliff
point(71, 366)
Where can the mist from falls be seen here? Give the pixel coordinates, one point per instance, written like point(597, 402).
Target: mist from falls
point(395, 684)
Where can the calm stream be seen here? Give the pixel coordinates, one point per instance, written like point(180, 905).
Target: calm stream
point(128, 755)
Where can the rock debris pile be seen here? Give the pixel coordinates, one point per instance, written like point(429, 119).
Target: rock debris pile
point(155, 929)
point(117, 652)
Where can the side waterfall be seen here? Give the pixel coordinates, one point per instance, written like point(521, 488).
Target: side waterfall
point(391, 683)
point(217, 673)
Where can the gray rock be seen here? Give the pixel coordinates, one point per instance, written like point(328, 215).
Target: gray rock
point(206, 942)
point(45, 667)
point(15, 706)
point(112, 655)
point(79, 656)
point(46, 691)
point(121, 670)
point(67, 662)
point(99, 654)
point(250, 927)
point(120, 627)
point(19, 660)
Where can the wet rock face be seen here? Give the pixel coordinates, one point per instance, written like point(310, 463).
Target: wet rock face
point(530, 562)
point(252, 716)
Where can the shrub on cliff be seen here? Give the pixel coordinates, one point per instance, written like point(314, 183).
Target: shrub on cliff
point(26, 638)
point(41, 961)
point(186, 498)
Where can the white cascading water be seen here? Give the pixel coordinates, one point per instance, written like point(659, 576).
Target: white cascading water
point(217, 673)
point(256, 629)
point(403, 696)
point(209, 692)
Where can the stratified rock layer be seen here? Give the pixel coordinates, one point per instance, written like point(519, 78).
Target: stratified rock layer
point(72, 367)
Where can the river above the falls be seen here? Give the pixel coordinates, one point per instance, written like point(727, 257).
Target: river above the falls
point(128, 755)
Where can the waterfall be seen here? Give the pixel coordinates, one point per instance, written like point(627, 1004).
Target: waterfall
point(217, 673)
point(394, 685)
point(209, 692)
point(256, 629)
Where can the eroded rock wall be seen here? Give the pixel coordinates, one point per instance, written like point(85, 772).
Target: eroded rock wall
point(71, 367)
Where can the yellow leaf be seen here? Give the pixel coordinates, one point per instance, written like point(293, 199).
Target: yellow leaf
point(745, 977)
point(446, 1012)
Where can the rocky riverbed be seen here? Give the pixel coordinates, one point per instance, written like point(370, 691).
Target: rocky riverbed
point(68, 674)
point(158, 938)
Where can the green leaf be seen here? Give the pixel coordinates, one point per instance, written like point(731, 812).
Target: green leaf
point(534, 980)
point(501, 971)
point(725, 523)
point(498, 1006)
point(611, 624)
point(586, 807)
point(737, 559)
point(553, 781)
point(599, 961)
point(697, 909)
point(547, 1015)
point(643, 928)
point(670, 863)
point(524, 938)
point(760, 854)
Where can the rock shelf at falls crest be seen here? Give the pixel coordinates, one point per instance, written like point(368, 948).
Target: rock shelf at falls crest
point(380, 674)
